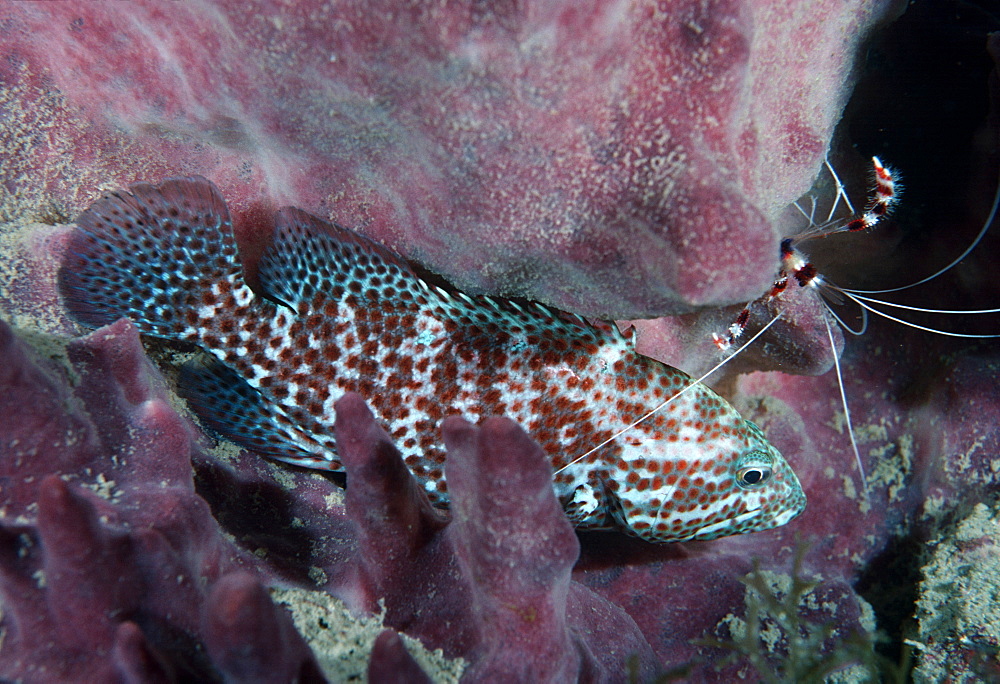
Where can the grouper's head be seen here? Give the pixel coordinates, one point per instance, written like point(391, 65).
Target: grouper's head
point(737, 482)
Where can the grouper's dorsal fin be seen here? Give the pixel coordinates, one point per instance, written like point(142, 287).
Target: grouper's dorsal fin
point(526, 318)
point(309, 255)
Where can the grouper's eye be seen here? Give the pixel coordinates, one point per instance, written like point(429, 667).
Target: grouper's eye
point(754, 469)
point(753, 476)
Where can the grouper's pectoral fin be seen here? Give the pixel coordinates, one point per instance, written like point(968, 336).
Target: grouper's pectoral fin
point(226, 404)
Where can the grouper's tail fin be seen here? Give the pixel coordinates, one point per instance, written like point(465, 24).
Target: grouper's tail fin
point(155, 254)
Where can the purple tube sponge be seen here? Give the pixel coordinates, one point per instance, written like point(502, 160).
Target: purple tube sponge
point(493, 584)
point(110, 565)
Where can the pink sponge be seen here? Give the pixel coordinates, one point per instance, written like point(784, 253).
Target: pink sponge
point(620, 159)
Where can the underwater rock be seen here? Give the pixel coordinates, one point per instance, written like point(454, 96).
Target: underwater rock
point(959, 618)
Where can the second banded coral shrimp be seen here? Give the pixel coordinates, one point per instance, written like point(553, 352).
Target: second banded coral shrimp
point(797, 271)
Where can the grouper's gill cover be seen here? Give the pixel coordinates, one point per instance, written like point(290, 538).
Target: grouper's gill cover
point(341, 313)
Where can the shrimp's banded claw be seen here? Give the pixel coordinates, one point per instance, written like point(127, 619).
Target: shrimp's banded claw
point(794, 266)
point(735, 331)
point(884, 196)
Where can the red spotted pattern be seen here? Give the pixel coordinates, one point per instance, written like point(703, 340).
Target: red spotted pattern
point(341, 313)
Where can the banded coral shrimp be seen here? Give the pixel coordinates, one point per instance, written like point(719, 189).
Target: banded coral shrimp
point(797, 270)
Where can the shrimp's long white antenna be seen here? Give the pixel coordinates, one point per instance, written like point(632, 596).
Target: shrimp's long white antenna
point(841, 192)
point(894, 305)
point(857, 332)
point(847, 410)
point(672, 397)
point(982, 231)
point(854, 298)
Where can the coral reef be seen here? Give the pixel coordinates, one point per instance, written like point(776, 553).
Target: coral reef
point(145, 546)
point(781, 638)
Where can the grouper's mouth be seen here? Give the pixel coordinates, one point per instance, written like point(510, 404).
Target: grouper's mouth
point(787, 516)
point(782, 518)
point(722, 524)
